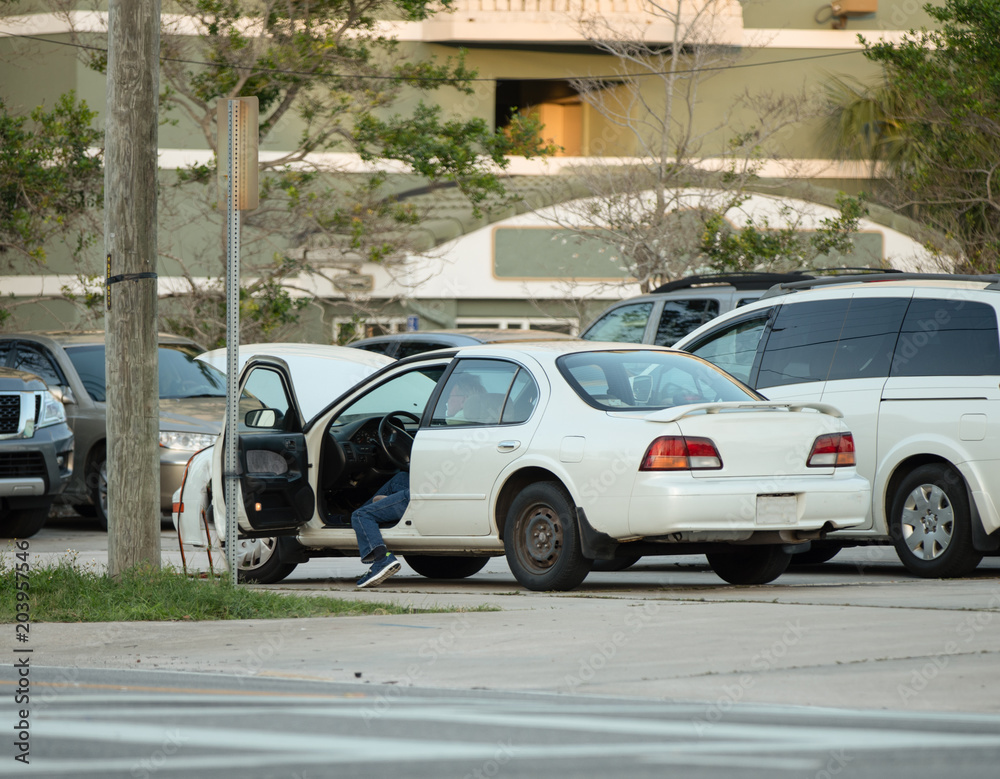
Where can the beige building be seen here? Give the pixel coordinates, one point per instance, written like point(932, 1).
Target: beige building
point(518, 267)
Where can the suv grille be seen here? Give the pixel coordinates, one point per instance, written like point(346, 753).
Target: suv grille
point(19, 465)
point(10, 413)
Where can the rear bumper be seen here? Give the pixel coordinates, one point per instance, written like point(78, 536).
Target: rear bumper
point(662, 504)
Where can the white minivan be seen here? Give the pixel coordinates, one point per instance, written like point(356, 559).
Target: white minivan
point(913, 362)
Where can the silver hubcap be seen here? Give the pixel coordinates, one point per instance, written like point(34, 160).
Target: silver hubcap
point(542, 537)
point(928, 522)
point(252, 553)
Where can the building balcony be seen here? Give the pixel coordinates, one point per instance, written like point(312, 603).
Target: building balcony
point(562, 22)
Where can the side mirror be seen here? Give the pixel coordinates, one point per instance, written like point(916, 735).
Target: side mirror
point(262, 417)
point(63, 394)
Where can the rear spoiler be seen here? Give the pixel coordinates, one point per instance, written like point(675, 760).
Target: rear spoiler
point(679, 412)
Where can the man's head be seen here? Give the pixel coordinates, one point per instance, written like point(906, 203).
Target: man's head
point(462, 388)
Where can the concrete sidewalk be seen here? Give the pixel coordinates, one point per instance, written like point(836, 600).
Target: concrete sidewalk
point(717, 652)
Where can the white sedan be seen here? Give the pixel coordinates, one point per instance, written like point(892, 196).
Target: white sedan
point(569, 453)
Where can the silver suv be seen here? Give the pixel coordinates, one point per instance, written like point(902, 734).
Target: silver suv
point(913, 362)
point(673, 310)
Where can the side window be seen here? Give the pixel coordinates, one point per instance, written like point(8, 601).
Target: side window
point(802, 343)
point(522, 400)
point(408, 391)
point(680, 317)
point(37, 360)
point(88, 362)
point(735, 348)
point(265, 389)
point(864, 349)
point(475, 393)
point(625, 324)
point(947, 338)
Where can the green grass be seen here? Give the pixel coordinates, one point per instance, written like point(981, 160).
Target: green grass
point(67, 592)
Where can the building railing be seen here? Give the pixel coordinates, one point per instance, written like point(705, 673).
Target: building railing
point(560, 21)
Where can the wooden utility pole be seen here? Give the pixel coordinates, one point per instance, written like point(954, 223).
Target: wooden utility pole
point(133, 403)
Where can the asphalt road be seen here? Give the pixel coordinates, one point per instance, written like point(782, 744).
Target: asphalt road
point(850, 668)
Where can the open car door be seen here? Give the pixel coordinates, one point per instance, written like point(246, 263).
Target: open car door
point(271, 451)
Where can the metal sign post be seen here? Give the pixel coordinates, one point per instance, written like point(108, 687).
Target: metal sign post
point(237, 121)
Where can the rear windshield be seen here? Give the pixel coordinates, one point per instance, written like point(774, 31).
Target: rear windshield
point(626, 380)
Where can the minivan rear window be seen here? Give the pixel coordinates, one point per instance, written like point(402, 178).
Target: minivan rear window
point(947, 338)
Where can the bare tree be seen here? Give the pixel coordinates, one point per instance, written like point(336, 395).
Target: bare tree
point(677, 166)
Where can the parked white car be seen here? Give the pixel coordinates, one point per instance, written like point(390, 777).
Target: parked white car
point(574, 452)
point(913, 361)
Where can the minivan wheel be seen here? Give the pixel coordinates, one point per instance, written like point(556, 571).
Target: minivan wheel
point(97, 483)
point(931, 524)
point(750, 564)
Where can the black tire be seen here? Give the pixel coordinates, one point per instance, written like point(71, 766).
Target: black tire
point(439, 567)
point(258, 561)
point(931, 524)
point(23, 523)
point(616, 564)
point(97, 484)
point(541, 540)
point(750, 564)
point(820, 552)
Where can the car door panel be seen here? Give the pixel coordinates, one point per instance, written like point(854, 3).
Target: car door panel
point(271, 451)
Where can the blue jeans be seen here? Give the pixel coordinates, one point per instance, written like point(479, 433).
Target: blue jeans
point(366, 520)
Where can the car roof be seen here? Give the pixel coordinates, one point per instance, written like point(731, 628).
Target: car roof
point(462, 336)
point(88, 337)
point(890, 280)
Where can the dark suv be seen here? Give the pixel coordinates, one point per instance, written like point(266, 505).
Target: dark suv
point(36, 452)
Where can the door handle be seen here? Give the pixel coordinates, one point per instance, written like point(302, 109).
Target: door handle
point(508, 446)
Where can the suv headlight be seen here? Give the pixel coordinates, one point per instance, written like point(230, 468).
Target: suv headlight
point(186, 442)
point(51, 411)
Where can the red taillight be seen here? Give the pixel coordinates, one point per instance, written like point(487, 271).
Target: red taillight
point(677, 453)
point(832, 450)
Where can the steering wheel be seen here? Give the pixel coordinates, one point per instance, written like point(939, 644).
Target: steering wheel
point(395, 441)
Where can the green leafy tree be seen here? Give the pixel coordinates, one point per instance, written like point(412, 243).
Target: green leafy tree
point(934, 124)
point(49, 179)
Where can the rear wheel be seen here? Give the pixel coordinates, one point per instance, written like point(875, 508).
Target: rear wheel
point(931, 524)
point(258, 561)
point(445, 567)
point(23, 523)
point(615, 564)
point(541, 540)
point(751, 564)
point(819, 552)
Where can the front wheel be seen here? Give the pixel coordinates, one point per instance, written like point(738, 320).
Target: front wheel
point(97, 481)
point(750, 564)
point(23, 523)
point(258, 561)
point(931, 524)
point(434, 567)
point(541, 540)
